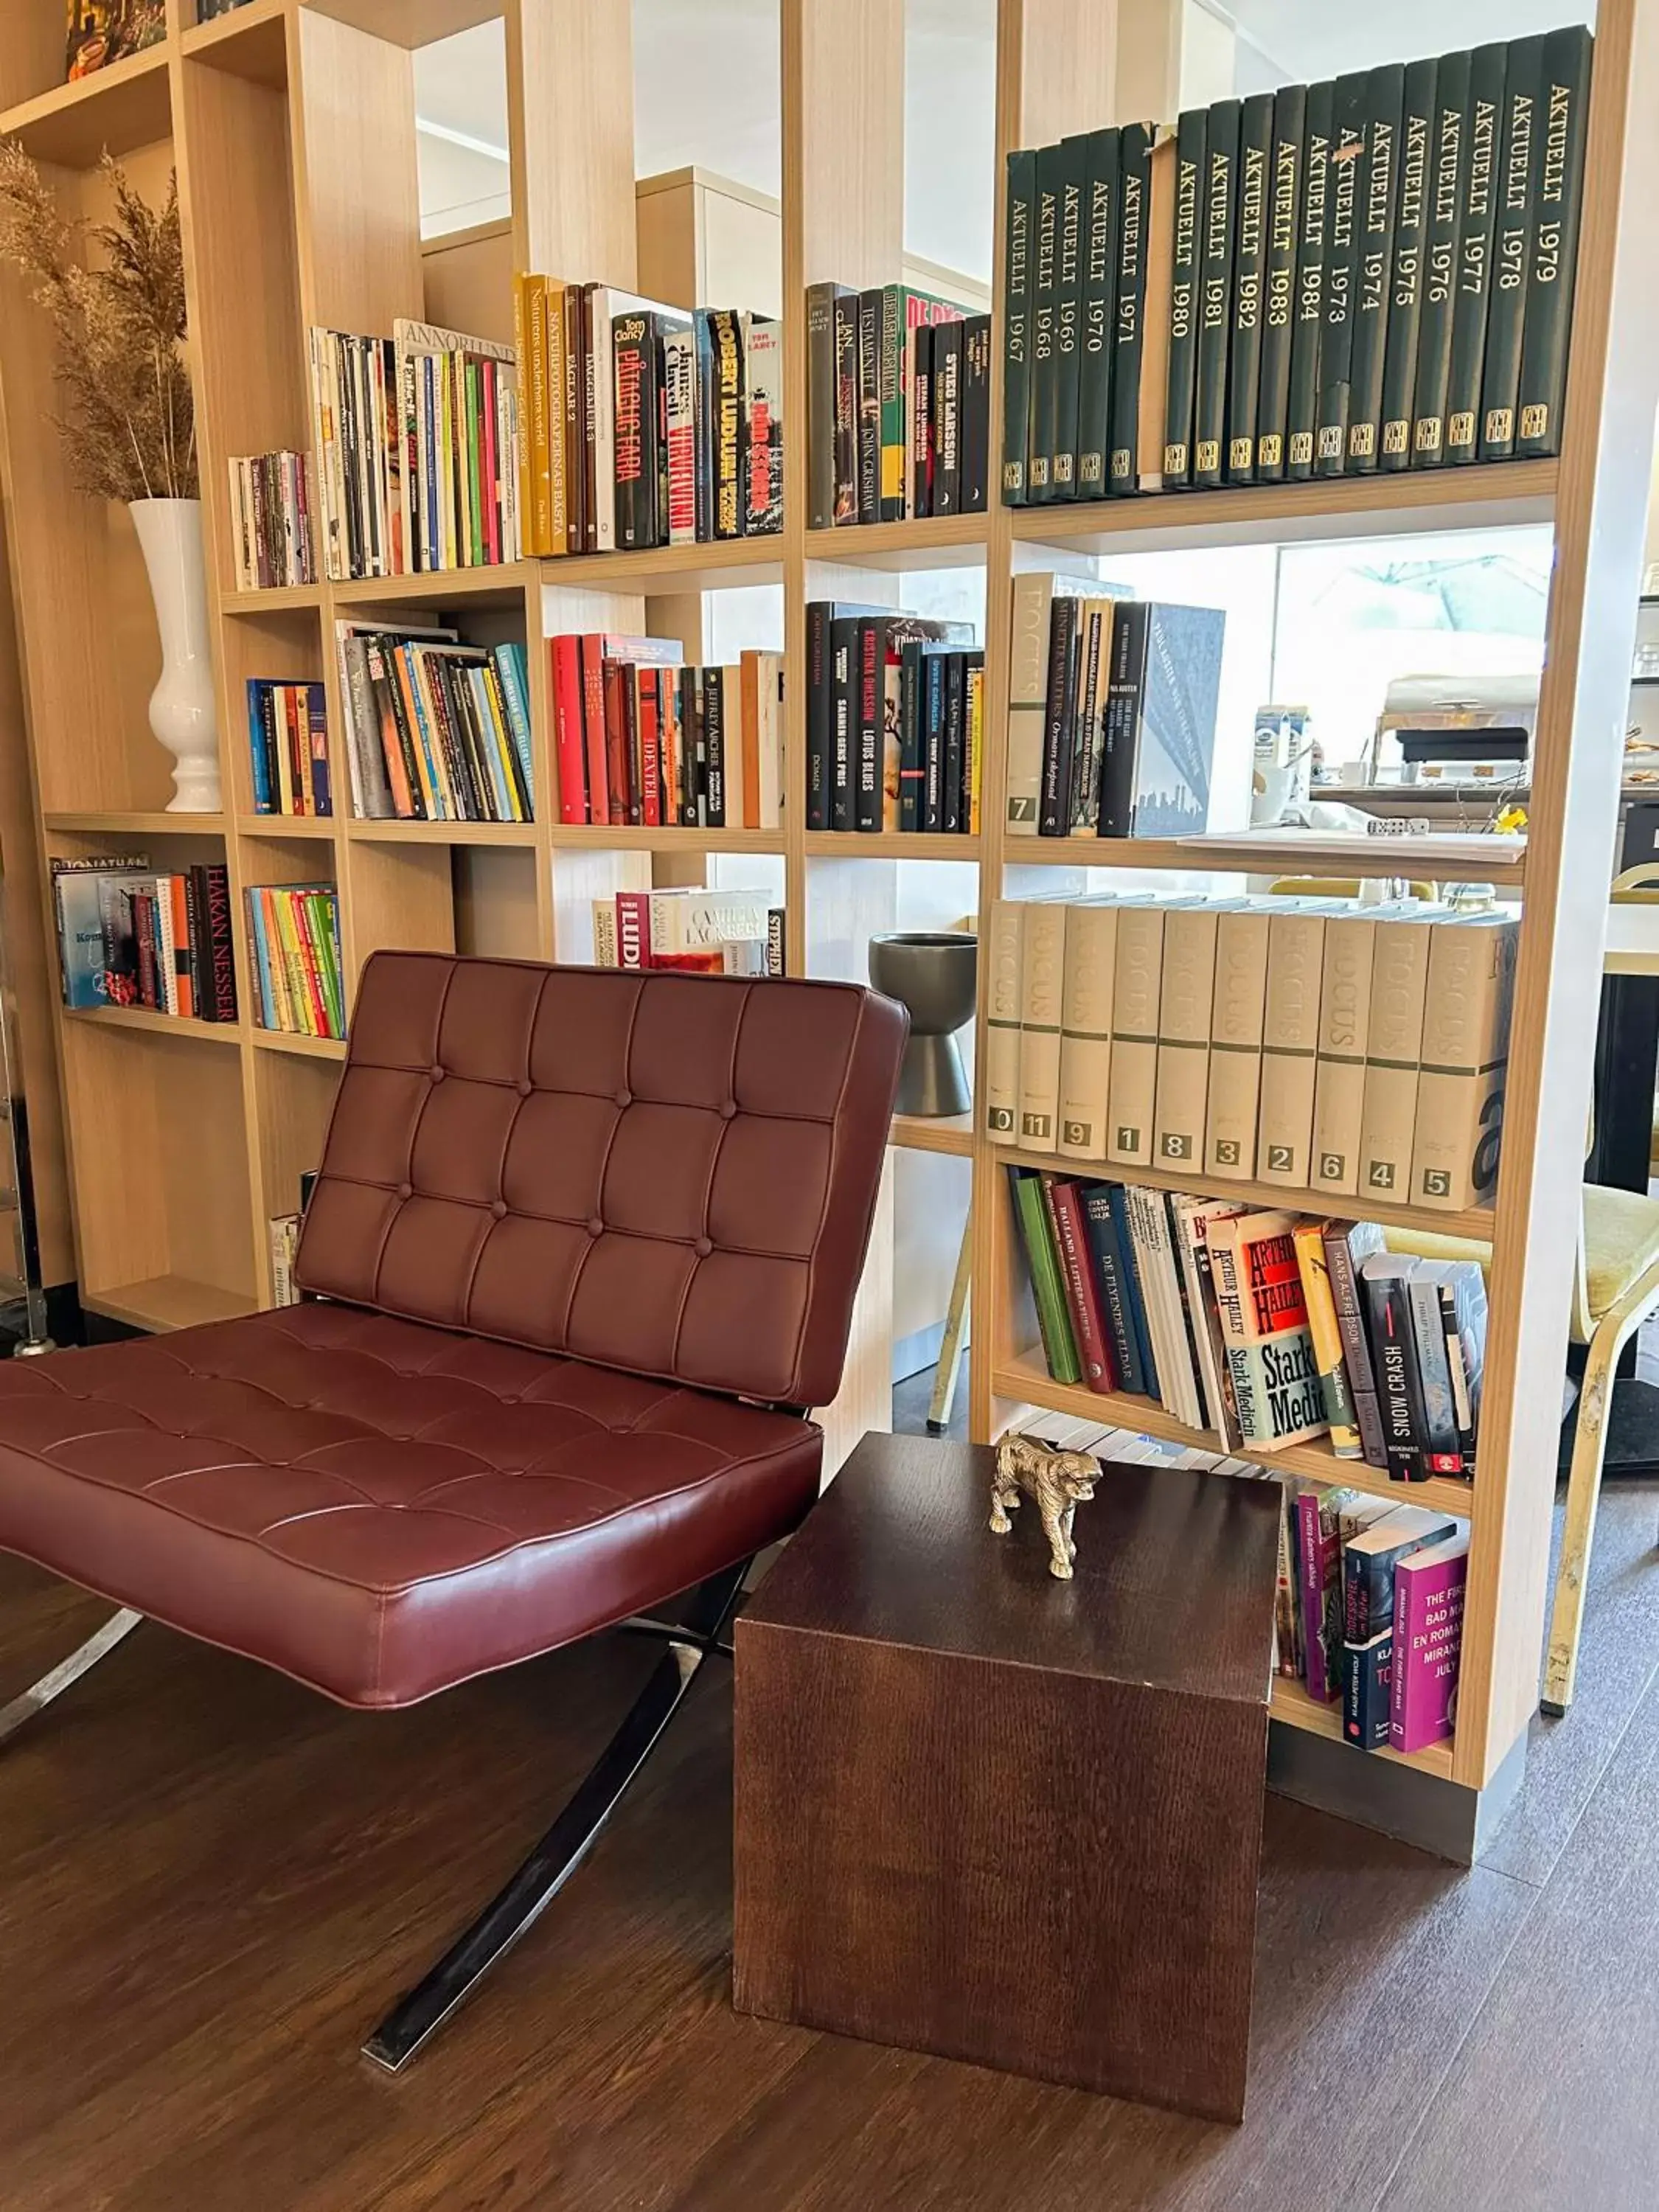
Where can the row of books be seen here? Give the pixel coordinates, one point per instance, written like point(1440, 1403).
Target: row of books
point(645, 425)
point(129, 937)
point(1406, 1581)
point(1316, 1044)
point(895, 720)
point(1265, 1327)
point(415, 440)
point(1370, 1612)
point(898, 405)
point(283, 1229)
point(1372, 273)
point(644, 738)
point(1112, 706)
point(288, 744)
point(272, 539)
point(702, 932)
point(436, 730)
point(294, 957)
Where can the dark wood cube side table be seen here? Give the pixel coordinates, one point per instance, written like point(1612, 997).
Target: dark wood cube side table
point(984, 1813)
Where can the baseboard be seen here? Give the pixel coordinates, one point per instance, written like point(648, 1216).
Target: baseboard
point(1428, 1810)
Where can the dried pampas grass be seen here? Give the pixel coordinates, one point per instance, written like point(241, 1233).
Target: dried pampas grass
point(129, 423)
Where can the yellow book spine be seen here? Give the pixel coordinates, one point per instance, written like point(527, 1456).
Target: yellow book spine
point(1327, 1338)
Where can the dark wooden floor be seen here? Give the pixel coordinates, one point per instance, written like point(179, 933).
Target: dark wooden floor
point(211, 1883)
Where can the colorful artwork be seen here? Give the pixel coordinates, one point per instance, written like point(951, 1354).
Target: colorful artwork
point(105, 31)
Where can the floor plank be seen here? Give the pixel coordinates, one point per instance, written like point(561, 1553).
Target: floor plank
point(1551, 2103)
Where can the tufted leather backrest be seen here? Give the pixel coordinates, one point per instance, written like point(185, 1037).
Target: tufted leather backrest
point(674, 1175)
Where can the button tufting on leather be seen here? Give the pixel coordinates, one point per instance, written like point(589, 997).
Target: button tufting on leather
point(702, 1248)
point(526, 1086)
point(729, 1110)
point(436, 1073)
point(498, 1207)
point(624, 1098)
point(595, 1226)
point(405, 1190)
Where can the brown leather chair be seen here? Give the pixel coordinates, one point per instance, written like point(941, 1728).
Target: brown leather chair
point(583, 1247)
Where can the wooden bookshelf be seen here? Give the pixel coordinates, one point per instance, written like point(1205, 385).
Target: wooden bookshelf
point(292, 126)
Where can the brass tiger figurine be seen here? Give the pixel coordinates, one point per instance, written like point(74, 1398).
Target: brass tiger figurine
point(1055, 1481)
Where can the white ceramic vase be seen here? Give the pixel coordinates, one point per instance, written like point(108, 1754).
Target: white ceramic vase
point(181, 706)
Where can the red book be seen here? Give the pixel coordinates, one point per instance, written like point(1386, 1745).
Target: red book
point(647, 711)
point(617, 766)
point(595, 649)
point(571, 750)
point(1082, 1291)
point(633, 929)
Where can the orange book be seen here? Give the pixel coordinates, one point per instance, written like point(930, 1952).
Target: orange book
point(749, 688)
point(181, 940)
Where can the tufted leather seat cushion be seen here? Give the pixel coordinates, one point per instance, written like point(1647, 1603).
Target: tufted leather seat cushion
point(380, 1509)
point(568, 1220)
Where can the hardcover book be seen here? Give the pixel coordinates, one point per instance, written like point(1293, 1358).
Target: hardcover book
point(1004, 969)
point(1290, 1042)
point(1135, 250)
point(1068, 314)
point(1469, 993)
point(1042, 978)
point(1487, 70)
point(1428, 1632)
point(1346, 176)
point(1301, 416)
point(1563, 124)
point(1191, 138)
point(1102, 191)
point(1015, 325)
point(1439, 281)
point(1374, 225)
point(1327, 1339)
point(1054, 1318)
point(1345, 1012)
point(1040, 452)
point(1185, 996)
point(1419, 114)
point(1236, 1023)
point(1520, 159)
point(1278, 290)
point(1166, 686)
point(1348, 1245)
point(1220, 227)
point(1255, 146)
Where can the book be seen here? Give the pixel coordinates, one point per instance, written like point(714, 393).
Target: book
point(1562, 127)
point(762, 426)
point(1220, 223)
point(1393, 1041)
point(1004, 971)
point(1139, 1310)
point(1457, 1127)
point(1101, 192)
point(294, 957)
point(1059, 718)
point(1301, 406)
point(1191, 1218)
point(825, 619)
point(1449, 159)
point(1420, 113)
point(1069, 242)
point(1089, 1328)
point(1374, 225)
point(1034, 594)
point(1238, 1008)
point(1147, 1214)
point(1488, 67)
point(1327, 1339)
point(1112, 1273)
point(1383, 1279)
point(1428, 1633)
point(1370, 1561)
point(1520, 160)
point(820, 303)
point(868, 480)
point(1346, 169)
point(1462, 1288)
point(1345, 1012)
point(1253, 187)
point(1160, 732)
point(1042, 973)
point(1190, 187)
point(944, 494)
point(1348, 1245)
point(1326, 1520)
point(1135, 251)
point(1186, 999)
point(1442, 1451)
point(845, 311)
point(1136, 979)
point(1016, 272)
point(1284, 167)
point(1053, 1320)
point(976, 413)
point(1290, 1042)
point(1044, 388)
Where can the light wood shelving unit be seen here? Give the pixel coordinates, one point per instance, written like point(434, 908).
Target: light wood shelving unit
point(292, 126)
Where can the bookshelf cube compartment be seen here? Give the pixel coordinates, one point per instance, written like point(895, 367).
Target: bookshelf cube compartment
point(500, 907)
point(282, 647)
point(159, 1134)
point(293, 1094)
point(71, 123)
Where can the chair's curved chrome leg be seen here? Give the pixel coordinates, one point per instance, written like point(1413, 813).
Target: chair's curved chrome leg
point(22, 1709)
point(567, 1843)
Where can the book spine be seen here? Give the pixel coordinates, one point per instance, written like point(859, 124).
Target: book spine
point(1042, 981)
point(1347, 169)
point(1313, 240)
point(1397, 1387)
point(1089, 739)
point(1004, 970)
point(921, 450)
point(679, 389)
point(1562, 126)
point(976, 413)
point(1017, 274)
point(1085, 1024)
point(845, 326)
point(1289, 124)
point(955, 700)
point(1132, 1096)
point(820, 406)
point(1463, 1065)
point(894, 376)
point(1374, 227)
point(1326, 1335)
point(1488, 70)
point(1190, 137)
point(1344, 1031)
point(1027, 668)
point(1215, 311)
point(818, 722)
point(1449, 165)
point(1441, 1452)
point(1039, 453)
point(1236, 1012)
point(1289, 1044)
point(870, 659)
point(1420, 111)
point(635, 458)
point(1106, 1263)
point(1366, 1672)
point(1059, 720)
point(1053, 1322)
point(1069, 315)
point(843, 685)
point(1099, 298)
point(1519, 163)
point(1356, 1344)
point(727, 335)
point(1393, 1046)
point(1253, 186)
point(946, 487)
point(869, 405)
point(1185, 996)
point(1312, 1565)
point(1129, 315)
point(714, 704)
point(1082, 1297)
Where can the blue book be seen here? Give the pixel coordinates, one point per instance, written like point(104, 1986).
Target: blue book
point(262, 958)
point(512, 668)
point(1126, 1245)
point(322, 793)
point(265, 800)
point(443, 806)
point(1106, 1257)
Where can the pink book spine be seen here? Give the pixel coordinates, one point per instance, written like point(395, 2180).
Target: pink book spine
point(1311, 1564)
point(1428, 1636)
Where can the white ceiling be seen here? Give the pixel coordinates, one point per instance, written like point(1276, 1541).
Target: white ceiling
point(705, 75)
